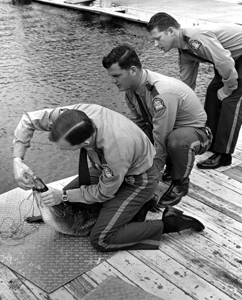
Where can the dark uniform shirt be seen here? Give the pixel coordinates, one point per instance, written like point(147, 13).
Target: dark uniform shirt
point(220, 44)
point(170, 104)
point(120, 149)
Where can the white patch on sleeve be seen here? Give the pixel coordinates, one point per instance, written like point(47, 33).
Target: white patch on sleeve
point(195, 45)
point(107, 172)
point(158, 104)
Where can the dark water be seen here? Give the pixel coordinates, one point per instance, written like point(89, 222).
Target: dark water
point(53, 56)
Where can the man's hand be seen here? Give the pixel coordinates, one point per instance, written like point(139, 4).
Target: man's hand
point(224, 92)
point(23, 174)
point(52, 197)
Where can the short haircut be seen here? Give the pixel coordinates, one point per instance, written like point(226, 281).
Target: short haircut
point(124, 55)
point(162, 21)
point(72, 125)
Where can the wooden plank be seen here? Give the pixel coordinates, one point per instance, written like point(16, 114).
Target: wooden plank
point(146, 278)
point(222, 178)
point(79, 287)
point(226, 260)
point(221, 225)
point(220, 278)
point(223, 205)
point(61, 294)
point(181, 276)
point(104, 270)
point(205, 269)
point(216, 196)
point(235, 173)
point(39, 293)
point(219, 228)
point(91, 282)
point(11, 288)
point(222, 202)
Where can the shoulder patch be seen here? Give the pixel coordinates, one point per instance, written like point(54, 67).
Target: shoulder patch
point(194, 44)
point(107, 172)
point(158, 104)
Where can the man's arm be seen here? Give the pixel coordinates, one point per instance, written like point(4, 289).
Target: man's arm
point(39, 120)
point(210, 48)
point(165, 109)
point(111, 178)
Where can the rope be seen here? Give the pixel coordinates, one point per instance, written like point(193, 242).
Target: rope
point(15, 233)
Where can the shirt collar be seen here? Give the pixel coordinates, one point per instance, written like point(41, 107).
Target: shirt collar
point(141, 86)
point(183, 39)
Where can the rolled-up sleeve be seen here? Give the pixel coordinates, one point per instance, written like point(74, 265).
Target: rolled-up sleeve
point(213, 50)
point(41, 120)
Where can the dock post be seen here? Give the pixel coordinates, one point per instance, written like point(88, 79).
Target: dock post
point(105, 4)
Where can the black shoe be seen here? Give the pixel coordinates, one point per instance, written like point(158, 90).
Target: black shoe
point(175, 221)
point(148, 206)
point(166, 176)
point(215, 161)
point(174, 194)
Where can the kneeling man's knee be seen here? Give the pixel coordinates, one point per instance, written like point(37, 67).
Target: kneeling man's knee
point(174, 142)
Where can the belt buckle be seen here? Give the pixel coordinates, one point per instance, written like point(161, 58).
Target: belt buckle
point(208, 132)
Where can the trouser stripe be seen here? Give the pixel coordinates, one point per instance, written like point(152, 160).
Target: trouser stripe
point(191, 155)
point(119, 212)
point(236, 115)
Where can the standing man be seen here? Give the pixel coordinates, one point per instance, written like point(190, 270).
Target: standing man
point(122, 173)
point(171, 108)
point(221, 45)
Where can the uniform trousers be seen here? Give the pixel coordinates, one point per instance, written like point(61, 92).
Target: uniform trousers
point(182, 145)
point(224, 117)
point(114, 229)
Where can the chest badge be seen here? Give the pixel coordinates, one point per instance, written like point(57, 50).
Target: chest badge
point(195, 45)
point(107, 172)
point(158, 104)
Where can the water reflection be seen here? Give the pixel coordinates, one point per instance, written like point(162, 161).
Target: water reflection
point(52, 56)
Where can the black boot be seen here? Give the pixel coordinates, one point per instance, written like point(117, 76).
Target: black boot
point(148, 206)
point(175, 221)
point(176, 191)
point(215, 161)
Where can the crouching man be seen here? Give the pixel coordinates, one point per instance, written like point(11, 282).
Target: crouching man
point(168, 111)
point(123, 177)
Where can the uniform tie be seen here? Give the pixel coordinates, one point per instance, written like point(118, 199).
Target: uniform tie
point(149, 126)
point(84, 175)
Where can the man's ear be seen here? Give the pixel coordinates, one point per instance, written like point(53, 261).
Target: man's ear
point(133, 70)
point(171, 31)
point(86, 143)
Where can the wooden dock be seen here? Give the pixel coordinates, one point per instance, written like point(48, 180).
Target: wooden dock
point(189, 266)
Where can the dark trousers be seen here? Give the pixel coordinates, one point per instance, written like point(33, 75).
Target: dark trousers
point(114, 229)
point(224, 117)
point(182, 146)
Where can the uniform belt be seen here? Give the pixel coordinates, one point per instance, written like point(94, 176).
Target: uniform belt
point(208, 132)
